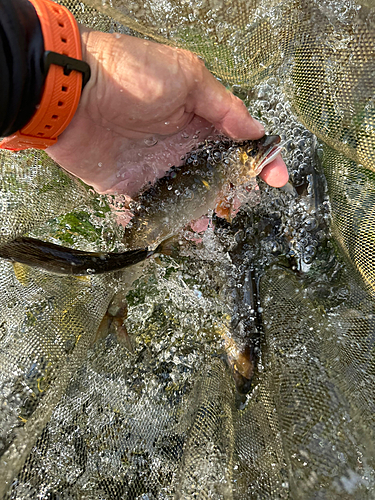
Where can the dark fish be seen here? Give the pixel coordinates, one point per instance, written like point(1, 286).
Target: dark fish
point(190, 191)
point(184, 194)
point(63, 260)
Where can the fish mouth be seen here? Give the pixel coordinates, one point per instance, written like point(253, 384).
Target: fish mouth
point(270, 147)
point(271, 155)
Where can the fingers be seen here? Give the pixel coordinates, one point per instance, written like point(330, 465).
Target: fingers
point(275, 173)
point(212, 101)
point(229, 115)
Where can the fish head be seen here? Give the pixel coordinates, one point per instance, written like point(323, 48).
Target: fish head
point(253, 156)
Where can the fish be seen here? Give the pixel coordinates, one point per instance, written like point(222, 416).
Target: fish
point(184, 194)
point(188, 192)
point(58, 259)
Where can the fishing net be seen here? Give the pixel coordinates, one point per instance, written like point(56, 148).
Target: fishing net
point(92, 410)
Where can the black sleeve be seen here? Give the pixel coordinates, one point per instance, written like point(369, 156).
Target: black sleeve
point(21, 64)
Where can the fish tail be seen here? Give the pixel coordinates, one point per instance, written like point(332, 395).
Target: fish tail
point(62, 260)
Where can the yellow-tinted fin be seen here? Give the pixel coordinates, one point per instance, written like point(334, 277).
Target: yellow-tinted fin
point(86, 279)
point(243, 157)
point(22, 273)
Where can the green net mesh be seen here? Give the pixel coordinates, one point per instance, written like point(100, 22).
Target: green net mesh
point(89, 410)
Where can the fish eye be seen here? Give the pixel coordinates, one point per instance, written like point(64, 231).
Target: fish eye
point(251, 152)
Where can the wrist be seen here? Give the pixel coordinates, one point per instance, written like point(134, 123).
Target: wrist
point(84, 34)
point(88, 48)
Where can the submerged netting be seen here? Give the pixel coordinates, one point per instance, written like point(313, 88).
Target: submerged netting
point(90, 410)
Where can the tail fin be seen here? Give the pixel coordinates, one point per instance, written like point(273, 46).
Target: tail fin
point(63, 260)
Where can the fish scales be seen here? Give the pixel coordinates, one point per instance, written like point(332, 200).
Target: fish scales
point(190, 191)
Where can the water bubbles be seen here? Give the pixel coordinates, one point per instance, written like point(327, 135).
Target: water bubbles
point(308, 254)
point(310, 224)
point(264, 92)
point(150, 141)
point(283, 117)
point(298, 157)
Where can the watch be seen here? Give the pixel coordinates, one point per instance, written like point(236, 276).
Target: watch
point(65, 76)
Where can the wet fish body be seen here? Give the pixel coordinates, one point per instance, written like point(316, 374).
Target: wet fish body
point(190, 191)
point(184, 194)
point(68, 261)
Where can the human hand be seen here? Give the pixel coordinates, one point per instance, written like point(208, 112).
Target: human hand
point(145, 106)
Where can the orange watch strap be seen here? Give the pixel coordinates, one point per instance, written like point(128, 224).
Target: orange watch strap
point(62, 87)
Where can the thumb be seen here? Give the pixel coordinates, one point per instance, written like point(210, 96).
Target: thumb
point(212, 101)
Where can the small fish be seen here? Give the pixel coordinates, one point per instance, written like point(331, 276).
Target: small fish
point(58, 259)
point(186, 193)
